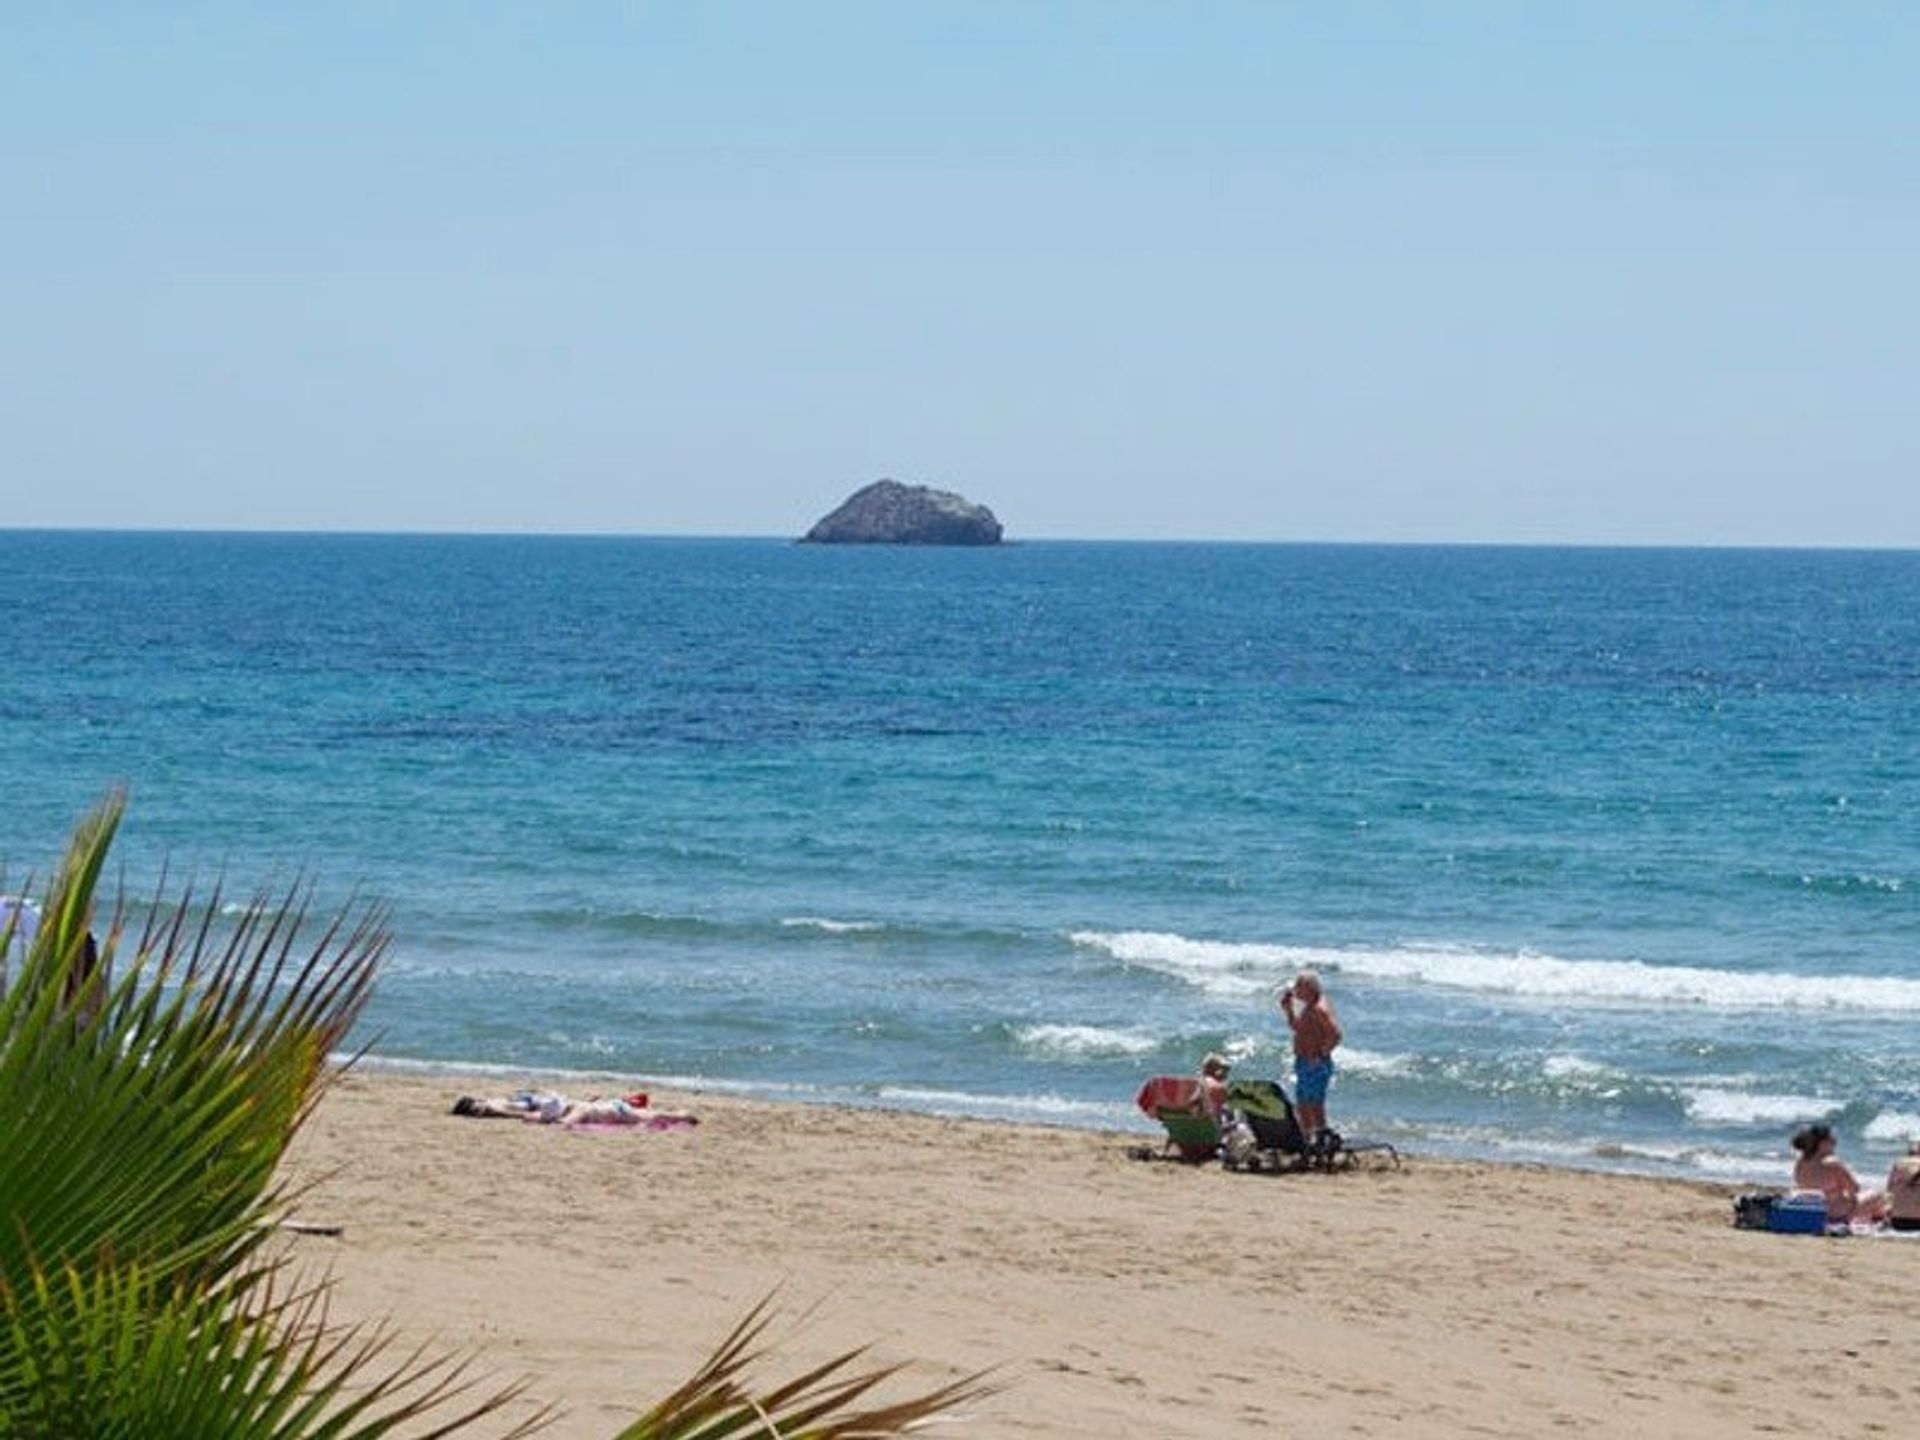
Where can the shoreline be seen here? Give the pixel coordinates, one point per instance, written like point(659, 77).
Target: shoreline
point(1600, 1158)
point(1122, 1298)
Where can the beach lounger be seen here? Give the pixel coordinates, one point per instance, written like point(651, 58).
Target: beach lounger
point(1263, 1106)
point(1347, 1149)
point(1268, 1115)
point(1175, 1101)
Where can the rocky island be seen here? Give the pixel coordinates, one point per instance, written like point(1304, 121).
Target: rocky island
point(889, 513)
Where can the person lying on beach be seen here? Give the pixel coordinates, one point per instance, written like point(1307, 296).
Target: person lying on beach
point(541, 1106)
point(1820, 1169)
point(544, 1107)
point(1903, 1190)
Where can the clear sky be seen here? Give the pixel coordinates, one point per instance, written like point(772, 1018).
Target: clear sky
point(1602, 272)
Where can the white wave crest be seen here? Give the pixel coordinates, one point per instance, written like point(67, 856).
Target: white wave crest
point(1893, 1126)
point(1229, 968)
point(1219, 967)
point(1084, 1040)
point(831, 927)
point(1245, 1047)
point(1632, 1157)
point(1571, 1067)
point(1709, 1164)
point(965, 1103)
point(1370, 1062)
point(1710, 1106)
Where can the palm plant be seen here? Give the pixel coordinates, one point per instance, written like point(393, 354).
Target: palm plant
point(149, 1094)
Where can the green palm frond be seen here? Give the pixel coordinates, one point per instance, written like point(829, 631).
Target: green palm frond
point(119, 1353)
point(150, 1090)
point(150, 1115)
point(824, 1403)
point(149, 1102)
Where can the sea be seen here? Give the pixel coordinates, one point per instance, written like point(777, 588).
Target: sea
point(1608, 858)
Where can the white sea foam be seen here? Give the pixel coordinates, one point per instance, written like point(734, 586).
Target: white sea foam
point(1712, 1106)
point(1245, 1047)
point(1893, 1126)
point(1074, 1041)
point(1571, 1067)
point(830, 926)
point(1227, 968)
point(1056, 1108)
point(1371, 1062)
point(1219, 967)
point(1714, 1164)
point(1890, 884)
point(1608, 1154)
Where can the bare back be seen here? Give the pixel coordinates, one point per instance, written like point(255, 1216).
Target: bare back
point(1315, 1031)
point(1832, 1179)
point(1903, 1188)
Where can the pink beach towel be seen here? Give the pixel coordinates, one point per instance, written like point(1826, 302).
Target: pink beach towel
point(652, 1122)
point(1168, 1092)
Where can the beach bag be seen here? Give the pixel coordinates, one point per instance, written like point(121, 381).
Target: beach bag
point(1237, 1146)
point(1750, 1211)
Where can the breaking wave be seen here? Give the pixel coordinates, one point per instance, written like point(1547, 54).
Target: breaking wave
point(1079, 1041)
point(1230, 968)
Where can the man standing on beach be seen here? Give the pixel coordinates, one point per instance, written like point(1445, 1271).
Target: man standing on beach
point(1315, 1035)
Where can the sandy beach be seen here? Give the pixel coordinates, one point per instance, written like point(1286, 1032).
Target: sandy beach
point(1117, 1298)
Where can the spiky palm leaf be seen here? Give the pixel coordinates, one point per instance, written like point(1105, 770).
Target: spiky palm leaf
point(147, 1112)
point(824, 1403)
point(117, 1353)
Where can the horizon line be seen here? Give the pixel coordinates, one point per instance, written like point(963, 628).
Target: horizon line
point(1014, 542)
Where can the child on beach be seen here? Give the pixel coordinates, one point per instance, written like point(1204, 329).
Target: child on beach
point(1316, 1034)
point(1819, 1169)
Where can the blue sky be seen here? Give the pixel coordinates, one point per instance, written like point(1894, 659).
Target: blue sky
point(1609, 273)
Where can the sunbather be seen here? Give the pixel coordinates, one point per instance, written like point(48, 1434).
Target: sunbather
point(1903, 1190)
point(541, 1106)
point(1820, 1169)
point(544, 1107)
point(1213, 1083)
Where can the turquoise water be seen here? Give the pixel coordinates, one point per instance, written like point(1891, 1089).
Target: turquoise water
point(1609, 857)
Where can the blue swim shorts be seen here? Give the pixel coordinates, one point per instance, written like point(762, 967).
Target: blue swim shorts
point(1310, 1080)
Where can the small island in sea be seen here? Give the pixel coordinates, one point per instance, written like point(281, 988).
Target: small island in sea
point(890, 513)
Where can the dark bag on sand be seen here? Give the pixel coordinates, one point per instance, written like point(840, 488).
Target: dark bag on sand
point(1750, 1211)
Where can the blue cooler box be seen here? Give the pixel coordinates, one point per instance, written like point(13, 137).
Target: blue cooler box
point(1798, 1215)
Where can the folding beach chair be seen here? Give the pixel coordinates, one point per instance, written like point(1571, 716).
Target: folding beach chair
point(1268, 1115)
point(1277, 1141)
point(1175, 1101)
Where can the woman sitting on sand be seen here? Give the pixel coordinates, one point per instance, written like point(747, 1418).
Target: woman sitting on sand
point(1819, 1169)
point(1903, 1190)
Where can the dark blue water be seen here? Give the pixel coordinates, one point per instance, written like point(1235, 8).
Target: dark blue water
point(1607, 856)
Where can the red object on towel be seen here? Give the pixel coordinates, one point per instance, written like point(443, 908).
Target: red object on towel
point(1171, 1092)
point(638, 1099)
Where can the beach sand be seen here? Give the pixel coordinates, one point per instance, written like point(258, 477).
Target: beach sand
point(1118, 1298)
